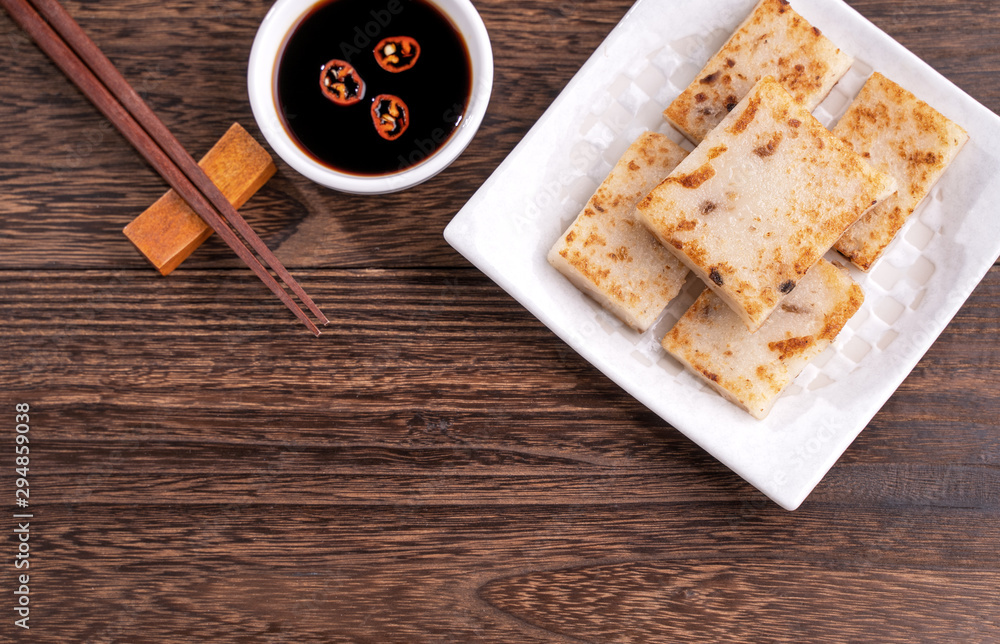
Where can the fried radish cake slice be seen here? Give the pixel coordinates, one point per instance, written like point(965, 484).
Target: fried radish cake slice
point(906, 138)
point(609, 254)
point(752, 369)
point(763, 197)
point(772, 41)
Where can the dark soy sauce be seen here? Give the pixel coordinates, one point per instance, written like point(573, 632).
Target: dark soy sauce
point(436, 89)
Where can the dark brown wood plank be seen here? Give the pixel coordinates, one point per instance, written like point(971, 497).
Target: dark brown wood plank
point(752, 600)
point(413, 477)
point(422, 372)
point(438, 467)
point(488, 573)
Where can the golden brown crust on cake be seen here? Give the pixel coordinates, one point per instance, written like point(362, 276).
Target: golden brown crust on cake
point(773, 41)
point(609, 254)
point(904, 137)
point(752, 369)
point(763, 197)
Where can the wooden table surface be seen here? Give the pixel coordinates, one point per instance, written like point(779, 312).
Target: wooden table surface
point(439, 467)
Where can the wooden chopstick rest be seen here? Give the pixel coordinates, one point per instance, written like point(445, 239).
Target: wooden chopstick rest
point(66, 44)
point(169, 231)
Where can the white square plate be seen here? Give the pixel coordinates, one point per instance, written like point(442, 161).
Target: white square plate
point(913, 292)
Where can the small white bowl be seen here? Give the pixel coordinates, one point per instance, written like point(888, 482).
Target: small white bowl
point(279, 23)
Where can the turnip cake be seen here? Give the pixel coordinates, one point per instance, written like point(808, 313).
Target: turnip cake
point(609, 254)
point(752, 369)
point(773, 41)
point(763, 197)
point(906, 138)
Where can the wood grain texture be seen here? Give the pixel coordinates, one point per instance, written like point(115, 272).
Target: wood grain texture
point(439, 467)
point(750, 600)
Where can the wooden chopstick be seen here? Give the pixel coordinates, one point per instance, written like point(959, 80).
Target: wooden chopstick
point(101, 82)
point(79, 41)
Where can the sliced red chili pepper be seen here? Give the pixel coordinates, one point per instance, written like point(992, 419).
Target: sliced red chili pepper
point(390, 115)
point(397, 54)
point(341, 83)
